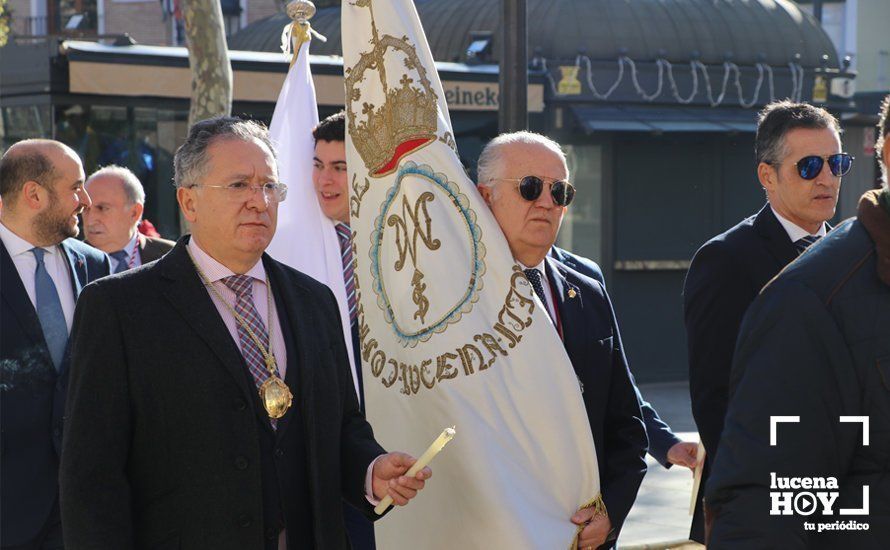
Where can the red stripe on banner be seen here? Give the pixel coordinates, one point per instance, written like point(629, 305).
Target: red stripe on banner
point(402, 150)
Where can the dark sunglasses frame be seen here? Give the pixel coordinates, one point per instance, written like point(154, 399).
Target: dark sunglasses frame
point(531, 187)
point(811, 166)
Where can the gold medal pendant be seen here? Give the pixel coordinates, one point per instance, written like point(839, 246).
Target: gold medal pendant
point(276, 396)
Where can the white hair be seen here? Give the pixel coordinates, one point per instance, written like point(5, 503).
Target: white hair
point(132, 186)
point(491, 157)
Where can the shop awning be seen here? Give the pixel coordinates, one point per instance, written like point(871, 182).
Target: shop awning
point(610, 118)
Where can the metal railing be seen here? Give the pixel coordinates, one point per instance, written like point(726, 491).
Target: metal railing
point(42, 25)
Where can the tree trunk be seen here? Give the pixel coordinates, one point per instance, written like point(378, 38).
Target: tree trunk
point(208, 60)
point(209, 64)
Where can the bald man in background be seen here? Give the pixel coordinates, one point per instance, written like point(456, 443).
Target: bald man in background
point(43, 269)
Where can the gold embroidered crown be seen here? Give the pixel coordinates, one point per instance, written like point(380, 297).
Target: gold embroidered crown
point(407, 119)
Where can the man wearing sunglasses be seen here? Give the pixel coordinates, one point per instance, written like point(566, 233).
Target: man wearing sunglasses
point(523, 178)
point(799, 165)
point(815, 346)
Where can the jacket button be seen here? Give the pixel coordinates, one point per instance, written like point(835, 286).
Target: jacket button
point(271, 533)
point(57, 431)
point(241, 463)
point(244, 520)
point(279, 452)
point(239, 404)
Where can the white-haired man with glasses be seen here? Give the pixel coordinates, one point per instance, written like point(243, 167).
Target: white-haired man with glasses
point(211, 403)
point(523, 177)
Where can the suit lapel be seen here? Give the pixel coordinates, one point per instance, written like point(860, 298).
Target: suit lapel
point(775, 237)
point(569, 305)
point(16, 298)
point(301, 353)
point(186, 293)
point(77, 268)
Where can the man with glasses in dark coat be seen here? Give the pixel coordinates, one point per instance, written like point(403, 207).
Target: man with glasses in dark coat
point(810, 397)
point(799, 165)
point(210, 401)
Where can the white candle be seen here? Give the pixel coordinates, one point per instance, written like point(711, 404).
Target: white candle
point(431, 451)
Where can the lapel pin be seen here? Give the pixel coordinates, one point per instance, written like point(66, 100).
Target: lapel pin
point(572, 293)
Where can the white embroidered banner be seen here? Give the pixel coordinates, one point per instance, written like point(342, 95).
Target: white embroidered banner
point(449, 331)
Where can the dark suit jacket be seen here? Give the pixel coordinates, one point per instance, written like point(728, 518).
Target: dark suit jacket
point(725, 276)
point(593, 343)
point(814, 344)
point(151, 249)
point(32, 397)
point(167, 441)
point(661, 437)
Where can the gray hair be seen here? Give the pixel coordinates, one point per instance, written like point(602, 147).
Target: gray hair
point(190, 161)
point(780, 117)
point(490, 159)
point(132, 186)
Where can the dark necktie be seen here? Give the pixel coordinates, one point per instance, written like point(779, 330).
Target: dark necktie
point(122, 260)
point(242, 286)
point(804, 242)
point(49, 311)
point(534, 277)
point(344, 234)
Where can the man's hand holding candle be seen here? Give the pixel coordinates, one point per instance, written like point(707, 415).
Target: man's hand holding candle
point(388, 478)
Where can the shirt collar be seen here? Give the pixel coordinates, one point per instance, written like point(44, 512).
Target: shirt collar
point(539, 267)
point(16, 245)
point(795, 232)
point(130, 247)
point(215, 271)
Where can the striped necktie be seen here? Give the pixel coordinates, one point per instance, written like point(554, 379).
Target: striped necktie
point(242, 286)
point(804, 242)
point(344, 234)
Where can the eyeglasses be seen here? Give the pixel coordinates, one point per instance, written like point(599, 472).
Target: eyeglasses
point(531, 187)
point(810, 167)
point(242, 192)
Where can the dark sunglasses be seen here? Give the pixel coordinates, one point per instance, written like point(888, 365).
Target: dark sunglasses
point(531, 187)
point(810, 167)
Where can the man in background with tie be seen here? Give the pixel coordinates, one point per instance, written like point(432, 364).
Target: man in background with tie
point(329, 177)
point(110, 224)
point(523, 178)
point(43, 270)
point(799, 166)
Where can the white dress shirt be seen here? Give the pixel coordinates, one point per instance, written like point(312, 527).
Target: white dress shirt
point(795, 232)
point(57, 265)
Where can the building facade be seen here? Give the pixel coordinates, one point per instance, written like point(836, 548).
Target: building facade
point(653, 100)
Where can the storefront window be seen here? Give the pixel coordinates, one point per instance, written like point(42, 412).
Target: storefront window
point(24, 122)
point(581, 231)
point(141, 139)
